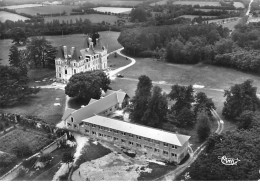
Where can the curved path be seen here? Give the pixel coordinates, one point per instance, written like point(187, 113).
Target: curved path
point(116, 71)
point(193, 155)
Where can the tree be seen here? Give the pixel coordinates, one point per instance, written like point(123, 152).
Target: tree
point(138, 14)
point(203, 103)
point(208, 166)
point(183, 97)
point(22, 150)
point(14, 56)
point(203, 126)
point(157, 109)
point(139, 102)
point(19, 36)
point(14, 86)
point(246, 119)
point(239, 98)
point(67, 158)
point(185, 118)
point(41, 52)
point(87, 85)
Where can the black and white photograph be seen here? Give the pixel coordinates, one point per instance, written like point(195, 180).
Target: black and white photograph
point(129, 90)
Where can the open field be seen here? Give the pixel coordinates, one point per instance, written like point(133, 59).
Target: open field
point(159, 3)
point(229, 22)
point(41, 105)
point(35, 140)
point(11, 16)
point(115, 2)
point(201, 3)
point(52, 9)
point(195, 16)
point(109, 39)
point(113, 9)
point(14, 7)
point(94, 18)
point(239, 5)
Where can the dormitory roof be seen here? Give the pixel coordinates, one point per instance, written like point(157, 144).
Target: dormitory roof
point(139, 130)
point(96, 107)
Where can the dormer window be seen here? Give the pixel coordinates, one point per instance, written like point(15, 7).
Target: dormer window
point(66, 72)
point(71, 119)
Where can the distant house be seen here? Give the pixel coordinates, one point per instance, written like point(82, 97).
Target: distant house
point(93, 121)
point(77, 60)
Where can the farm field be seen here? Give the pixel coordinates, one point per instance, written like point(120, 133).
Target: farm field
point(113, 9)
point(159, 3)
point(11, 16)
point(201, 3)
point(239, 5)
point(195, 16)
point(14, 7)
point(94, 18)
point(52, 9)
point(35, 140)
point(229, 23)
point(115, 2)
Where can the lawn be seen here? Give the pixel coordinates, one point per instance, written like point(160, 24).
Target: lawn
point(11, 16)
point(108, 38)
point(35, 140)
point(117, 62)
point(47, 9)
point(94, 18)
point(201, 3)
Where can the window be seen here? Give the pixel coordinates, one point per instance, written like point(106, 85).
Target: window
point(116, 131)
point(66, 72)
point(148, 147)
point(86, 131)
point(101, 135)
point(115, 139)
point(101, 128)
point(157, 142)
point(174, 147)
point(109, 130)
point(165, 144)
point(138, 137)
point(122, 140)
point(174, 155)
point(93, 126)
point(94, 133)
point(59, 75)
point(131, 143)
point(74, 64)
point(138, 145)
point(123, 133)
point(71, 119)
point(69, 124)
point(75, 71)
point(165, 152)
point(156, 150)
point(131, 135)
point(75, 126)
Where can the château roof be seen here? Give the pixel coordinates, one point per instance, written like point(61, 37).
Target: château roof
point(76, 54)
point(60, 53)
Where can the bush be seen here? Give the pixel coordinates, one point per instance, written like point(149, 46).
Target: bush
point(147, 53)
point(7, 159)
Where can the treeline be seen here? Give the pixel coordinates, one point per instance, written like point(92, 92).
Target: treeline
point(38, 28)
point(191, 44)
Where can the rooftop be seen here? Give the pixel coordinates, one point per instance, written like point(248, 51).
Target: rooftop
point(140, 130)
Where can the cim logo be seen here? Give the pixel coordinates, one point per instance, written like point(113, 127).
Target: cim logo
point(228, 161)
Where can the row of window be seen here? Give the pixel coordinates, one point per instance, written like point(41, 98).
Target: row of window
point(156, 150)
point(130, 135)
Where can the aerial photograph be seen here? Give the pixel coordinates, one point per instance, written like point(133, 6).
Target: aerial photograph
point(130, 90)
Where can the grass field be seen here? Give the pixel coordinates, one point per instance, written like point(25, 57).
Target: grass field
point(109, 39)
point(201, 3)
point(47, 9)
point(11, 16)
point(14, 7)
point(94, 18)
point(35, 140)
point(113, 9)
point(115, 2)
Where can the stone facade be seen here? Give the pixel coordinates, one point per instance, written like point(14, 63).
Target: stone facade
point(68, 63)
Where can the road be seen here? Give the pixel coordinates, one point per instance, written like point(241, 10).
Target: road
point(193, 154)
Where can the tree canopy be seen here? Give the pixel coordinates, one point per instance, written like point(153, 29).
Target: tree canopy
point(13, 86)
point(87, 85)
point(239, 98)
point(203, 126)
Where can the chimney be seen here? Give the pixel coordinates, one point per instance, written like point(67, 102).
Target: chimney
point(91, 45)
point(72, 50)
point(65, 52)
